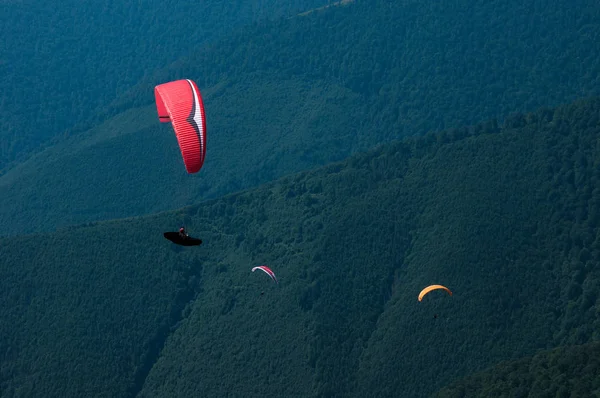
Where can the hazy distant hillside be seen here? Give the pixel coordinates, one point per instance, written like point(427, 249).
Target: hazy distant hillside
point(132, 165)
point(505, 217)
point(570, 372)
point(60, 61)
point(293, 94)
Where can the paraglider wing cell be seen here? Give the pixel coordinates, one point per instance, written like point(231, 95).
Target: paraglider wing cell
point(433, 287)
point(180, 103)
point(266, 270)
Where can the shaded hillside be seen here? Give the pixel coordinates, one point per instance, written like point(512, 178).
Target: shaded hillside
point(83, 309)
point(510, 221)
point(293, 94)
point(486, 58)
point(506, 217)
point(132, 165)
point(569, 372)
point(60, 62)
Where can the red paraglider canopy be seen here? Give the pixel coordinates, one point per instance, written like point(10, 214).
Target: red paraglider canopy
point(268, 271)
point(180, 103)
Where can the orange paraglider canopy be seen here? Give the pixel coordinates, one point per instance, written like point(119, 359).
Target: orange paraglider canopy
point(433, 287)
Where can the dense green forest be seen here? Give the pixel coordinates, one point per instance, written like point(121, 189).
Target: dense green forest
point(62, 61)
point(505, 216)
point(563, 372)
point(291, 94)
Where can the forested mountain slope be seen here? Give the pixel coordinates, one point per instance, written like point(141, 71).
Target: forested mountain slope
point(62, 61)
point(569, 371)
point(506, 217)
point(289, 95)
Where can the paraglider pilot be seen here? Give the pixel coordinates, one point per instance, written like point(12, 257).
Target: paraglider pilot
point(182, 233)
